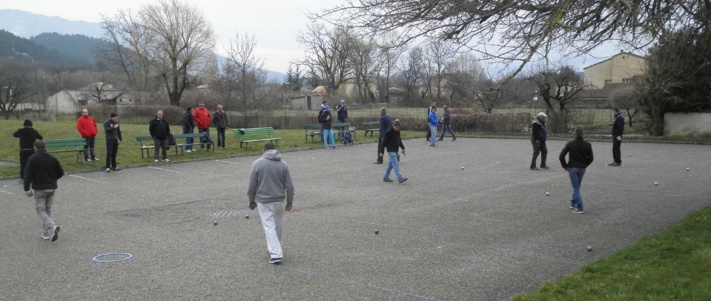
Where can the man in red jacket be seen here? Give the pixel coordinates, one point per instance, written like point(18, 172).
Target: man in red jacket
point(202, 119)
point(88, 130)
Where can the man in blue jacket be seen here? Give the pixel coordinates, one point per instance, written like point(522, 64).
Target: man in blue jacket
point(539, 132)
point(433, 123)
point(618, 128)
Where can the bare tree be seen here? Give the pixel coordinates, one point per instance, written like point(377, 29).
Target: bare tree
point(362, 61)
point(170, 40)
point(327, 53)
point(521, 31)
point(439, 54)
point(15, 86)
point(242, 76)
point(558, 87)
point(626, 99)
point(387, 61)
point(464, 75)
point(411, 71)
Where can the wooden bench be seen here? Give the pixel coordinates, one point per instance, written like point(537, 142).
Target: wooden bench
point(143, 145)
point(369, 127)
point(255, 135)
point(312, 130)
point(196, 141)
point(340, 128)
point(69, 145)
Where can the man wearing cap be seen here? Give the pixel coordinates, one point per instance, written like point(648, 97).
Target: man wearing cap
point(202, 119)
point(342, 115)
point(188, 128)
point(433, 123)
point(113, 138)
point(429, 110)
point(384, 126)
point(28, 136)
point(446, 123)
point(539, 132)
point(392, 142)
point(325, 120)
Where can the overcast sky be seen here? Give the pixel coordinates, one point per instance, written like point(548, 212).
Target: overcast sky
point(274, 23)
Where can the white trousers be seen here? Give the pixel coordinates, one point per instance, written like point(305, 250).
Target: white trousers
point(272, 216)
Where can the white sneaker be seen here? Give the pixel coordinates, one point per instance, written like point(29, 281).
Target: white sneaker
point(108, 170)
point(188, 151)
point(166, 160)
point(155, 161)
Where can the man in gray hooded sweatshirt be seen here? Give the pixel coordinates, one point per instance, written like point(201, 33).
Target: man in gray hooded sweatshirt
point(269, 183)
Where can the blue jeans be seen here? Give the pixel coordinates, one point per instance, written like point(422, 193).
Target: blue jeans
point(188, 141)
point(328, 133)
point(576, 178)
point(433, 134)
point(392, 164)
point(447, 127)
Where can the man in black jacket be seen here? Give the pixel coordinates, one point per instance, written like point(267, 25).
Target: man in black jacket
point(392, 142)
point(28, 136)
point(539, 133)
point(113, 139)
point(159, 130)
point(618, 128)
point(581, 155)
point(41, 174)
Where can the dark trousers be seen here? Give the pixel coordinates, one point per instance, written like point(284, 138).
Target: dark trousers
point(162, 145)
point(539, 148)
point(111, 152)
point(380, 144)
point(24, 155)
point(204, 140)
point(221, 137)
point(616, 155)
point(89, 145)
point(341, 129)
point(429, 133)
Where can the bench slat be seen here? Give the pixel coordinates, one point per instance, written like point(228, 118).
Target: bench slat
point(255, 132)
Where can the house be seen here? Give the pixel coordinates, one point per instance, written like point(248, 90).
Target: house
point(72, 101)
point(620, 68)
point(308, 100)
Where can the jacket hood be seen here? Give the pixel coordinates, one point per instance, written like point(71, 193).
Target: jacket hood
point(272, 154)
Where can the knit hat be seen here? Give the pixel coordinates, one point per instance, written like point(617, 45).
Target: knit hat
point(396, 122)
point(382, 110)
point(27, 122)
point(188, 109)
point(113, 115)
point(326, 107)
point(343, 101)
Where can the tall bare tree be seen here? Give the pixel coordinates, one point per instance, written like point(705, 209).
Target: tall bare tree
point(362, 60)
point(558, 87)
point(439, 54)
point(170, 41)
point(242, 77)
point(411, 73)
point(387, 63)
point(15, 86)
point(327, 53)
point(521, 31)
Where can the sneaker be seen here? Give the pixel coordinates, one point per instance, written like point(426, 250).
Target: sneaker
point(534, 168)
point(544, 167)
point(275, 260)
point(454, 139)
point(576, 210)
point(334, 147)
point(108, 170)
point(87, 160)
point(614, 164)
point(155, 161)
point(387, 180)
point(54, 231)
point(45, 234)
point(166, 160)
point(188, 151)
point(439, 139)
point(96, 159)
point(402, 180)
point(116, 168)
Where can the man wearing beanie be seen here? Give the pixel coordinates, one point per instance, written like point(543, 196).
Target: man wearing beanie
point(188, 128)
point(28, 136)
point(384, 126)
point(113, 138)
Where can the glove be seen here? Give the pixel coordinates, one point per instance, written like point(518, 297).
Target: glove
point(619, 138)
point(28, 193)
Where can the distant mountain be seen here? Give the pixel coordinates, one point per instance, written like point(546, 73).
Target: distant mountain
point(77, 46)
point(24, 50)
point(26, 25)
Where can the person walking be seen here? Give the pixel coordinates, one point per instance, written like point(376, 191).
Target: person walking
point(580, 156)
point(392, 143)
point(159, 130)
point(28, 135)
point(41, 174)
point(446, 124)
point(202, 119)
point(342, 115)
point(86, 125)
point(433, 104)
point(188, 128)
point(539, 133)
point(269, 184)
point(433, 123)
point(385, 124)
point(325, 120)
point(221, 123)
point(113, 139)
point(618, 128)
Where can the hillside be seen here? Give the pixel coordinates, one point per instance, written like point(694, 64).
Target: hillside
point(23, 50)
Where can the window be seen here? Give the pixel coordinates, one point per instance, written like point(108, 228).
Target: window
point(625, 80)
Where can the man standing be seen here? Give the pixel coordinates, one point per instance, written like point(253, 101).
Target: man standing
point(342, 115)
point(325, 120)
point(539, 133)
point(202, 119)
point(384, 126)
point(618, 128)
point(392, 142)
point(188, 128)
point(159, 129)
point(41, 174)
point(113, 139)
point(28, 136)
point(433, 104)
point(86, 125)
point(446, 124)
point(269, 183)
point(222, 124)
point(581, 155)
point(433, 123)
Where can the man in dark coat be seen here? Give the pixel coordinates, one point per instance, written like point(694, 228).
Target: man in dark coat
point(581, 155)
point(41, 174)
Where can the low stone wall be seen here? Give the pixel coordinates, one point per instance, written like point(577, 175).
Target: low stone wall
point(676, 124)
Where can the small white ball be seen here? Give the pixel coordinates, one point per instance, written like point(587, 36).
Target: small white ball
point(589, 248)
point(687, 169)
point(547, 193)
point(462, 167)
point(656, 183)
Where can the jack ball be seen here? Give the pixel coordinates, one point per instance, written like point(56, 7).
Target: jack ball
point(215, 223)
point(376, 231)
